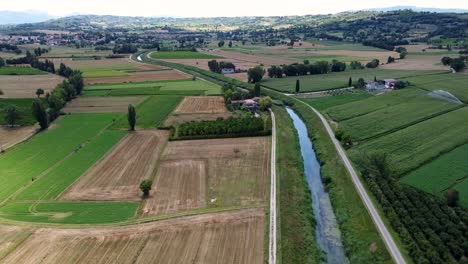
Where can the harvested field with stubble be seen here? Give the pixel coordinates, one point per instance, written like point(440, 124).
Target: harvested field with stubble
point(117, 104)
point(201, 104)
point(237, 168)
point(118, 175)
point(12, 136)
point(232, 237)
point(25, 86)
point(142, 76)
point(11, 237)
point(179, 186)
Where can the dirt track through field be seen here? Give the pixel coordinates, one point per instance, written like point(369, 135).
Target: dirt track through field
point(201, 104)
point(232, 237)
point(25, 86)
point(118, 175)
point(117, 104)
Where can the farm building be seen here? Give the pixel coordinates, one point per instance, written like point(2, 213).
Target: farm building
point(228, 70)
point(390, 83)
point(373, 86)
point(251, 104)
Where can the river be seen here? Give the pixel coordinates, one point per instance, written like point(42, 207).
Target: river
point(327, 232)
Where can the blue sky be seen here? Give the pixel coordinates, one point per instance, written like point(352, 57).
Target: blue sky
point(210, 8)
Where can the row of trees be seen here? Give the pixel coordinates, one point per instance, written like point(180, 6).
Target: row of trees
point(34, 61)
point(242, 126)
point(298, 69)
point(124, 48)
point(432, 231)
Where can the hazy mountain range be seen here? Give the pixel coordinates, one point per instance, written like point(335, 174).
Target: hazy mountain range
point(14, 17)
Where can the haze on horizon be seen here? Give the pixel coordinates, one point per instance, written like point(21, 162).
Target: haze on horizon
point(212, 8)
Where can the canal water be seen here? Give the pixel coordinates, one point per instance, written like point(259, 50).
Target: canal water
point(327, 232)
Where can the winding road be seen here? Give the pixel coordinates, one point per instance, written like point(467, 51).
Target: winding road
point(384, 233)
point(272, 250)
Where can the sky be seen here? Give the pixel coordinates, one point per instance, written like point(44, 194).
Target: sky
point(212, 8)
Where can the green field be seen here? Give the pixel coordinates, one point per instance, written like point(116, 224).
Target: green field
point(152, 112)
point(323, 103)
point(334, 80)
point(453, 83)
point(415, 145)
point(181, 55)
point(24, 108)
point(319, 57)
point(52, 184)
point(341, 45)
point(70, 212)
point(443, 173)
point(392, 118)
point(20, 71)
point(28, 160)
point(182, 87)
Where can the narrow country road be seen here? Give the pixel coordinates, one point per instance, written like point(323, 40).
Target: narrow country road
point(272, 250)
point(384, 233)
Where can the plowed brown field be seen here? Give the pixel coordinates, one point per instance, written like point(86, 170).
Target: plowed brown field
point(118, 175)
point(234, 237)
point(201, 104)
point(179, 186)
point(25, 86)
point(10, 237)
point(12, 136)
point(117, 104)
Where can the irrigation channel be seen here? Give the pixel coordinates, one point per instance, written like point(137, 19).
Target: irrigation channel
point(327, 233)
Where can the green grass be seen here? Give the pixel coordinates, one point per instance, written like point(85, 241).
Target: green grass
point(33, 157)
point(70, 212)
point(358, 230)
point(441, 174)
point(51, 185)
point(323, 103)
point(24, 108)
point(179, 87)
point(20, 71)
point(391, 118)
point(297, 224)
point(462, 190)
point(420, 143)
point(181, 55)
point(320, 82)
point(453, 83)
point(152, 112)
point(332, 57)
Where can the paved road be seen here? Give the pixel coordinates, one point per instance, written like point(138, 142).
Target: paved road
point(272, 251)
point(387, 238)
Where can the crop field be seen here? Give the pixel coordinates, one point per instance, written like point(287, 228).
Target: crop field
point(453, 83)
point(447, 171)
point(257, 59)
point(179, 186)
point(413, 146)
point(394, 117)
point(67, 51)
point(11, 237)
point(25, 86)
point(152, 112)
point(334, 80)
point(237, 168)
point(20, 71)
point(118, 175)
point(60, 177)
point(12, 136)
point(175, 119)
point(344, 55)
point(235, 237)
point(139, 76)
point(181, 55)
point(30, 159)
point(23, 106)
point(201, 104)
point(417, 62)
point(102, 104)
point(69, 212)
point(323, 103)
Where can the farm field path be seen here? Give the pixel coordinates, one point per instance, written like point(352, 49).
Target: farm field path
point(384, 233)
point(272, 243)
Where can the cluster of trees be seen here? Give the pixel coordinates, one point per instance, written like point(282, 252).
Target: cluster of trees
point(457, 64)
point(124, 48)
point(403, 52)
point(432, 231)
point(243, 126)
point(356, 65)
point(33, 60)
point(9, 47)
point(255, 74)
point(385, 43)
point(215, 66)
point(373, 64)
point(299, 69)
point(39, 51)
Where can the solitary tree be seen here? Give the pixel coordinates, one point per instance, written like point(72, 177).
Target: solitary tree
point(265, 103)
point(11, 115)
point(145, 187)
point(375, 78)
point(298, 86)
point(257, 89)
point(40, 114)
point(452, 197)
point(350, 82)
point(221, 43)
point(230, 44)
point(39, 92)
point(131, 117)
point(255, 74)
